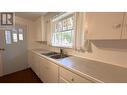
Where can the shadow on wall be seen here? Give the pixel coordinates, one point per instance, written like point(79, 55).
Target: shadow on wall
point(115, 45)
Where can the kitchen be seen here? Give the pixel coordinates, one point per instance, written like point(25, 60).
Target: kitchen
point(65, 47)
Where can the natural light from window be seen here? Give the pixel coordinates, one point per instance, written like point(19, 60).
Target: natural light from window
point(63, 32)
point(8, 37)
point(20, 34)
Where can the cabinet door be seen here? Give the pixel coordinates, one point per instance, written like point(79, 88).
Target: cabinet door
point(48, 71)
point(52, 72)
point(37, 65)
point(39, 29)
point(124, 32)
point(34, 62)
point(43, 71)
point(104, 25)
point(62, 80)
point(31, 59)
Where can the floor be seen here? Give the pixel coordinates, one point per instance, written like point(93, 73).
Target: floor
point(24, 76)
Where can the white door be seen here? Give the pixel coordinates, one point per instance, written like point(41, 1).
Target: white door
point(15, 54)
point(1, 51)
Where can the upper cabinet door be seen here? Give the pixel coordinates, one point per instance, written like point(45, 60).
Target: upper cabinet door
point(104, 25)
point(39, 29)
point(124, 32)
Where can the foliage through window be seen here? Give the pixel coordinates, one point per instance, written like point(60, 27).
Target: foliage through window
point(63, 32)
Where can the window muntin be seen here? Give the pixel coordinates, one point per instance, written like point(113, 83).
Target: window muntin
point(63, 32)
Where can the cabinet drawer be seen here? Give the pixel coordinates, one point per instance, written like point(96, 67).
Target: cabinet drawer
point(71, 77)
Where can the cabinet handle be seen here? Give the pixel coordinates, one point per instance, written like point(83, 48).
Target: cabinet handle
point(117, 26)
point(72, 79)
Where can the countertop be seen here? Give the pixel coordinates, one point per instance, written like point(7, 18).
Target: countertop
point(93, 70)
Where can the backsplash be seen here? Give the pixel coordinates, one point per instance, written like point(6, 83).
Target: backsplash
point(103, 51)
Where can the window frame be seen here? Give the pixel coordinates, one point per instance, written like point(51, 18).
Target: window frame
point(72, 31)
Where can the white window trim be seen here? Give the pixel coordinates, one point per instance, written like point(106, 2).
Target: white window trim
point(59, 18)
point(62, 16)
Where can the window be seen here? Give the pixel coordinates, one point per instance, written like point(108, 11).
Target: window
point(14, 36)
point(63, 32)
point(8, 37)
point(20, 34)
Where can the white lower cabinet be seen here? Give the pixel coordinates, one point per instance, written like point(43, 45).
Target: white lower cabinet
point(62, 80)
point(48, 71)
point(68, 76)
point(34, 63)
point(31, 60)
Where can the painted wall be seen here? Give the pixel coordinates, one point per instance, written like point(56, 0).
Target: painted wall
point(111, 52)
point(30, 32)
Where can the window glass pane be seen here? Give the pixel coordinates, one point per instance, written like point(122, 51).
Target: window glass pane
point(14, 35)
point(70, 23)
point(58, 38)
point(3, 18)
point(60, 26)
point(53, 38)
point(56, 27)
point(20, 34)
point(62, 35)
point(65, 24)
point(8, 37)
point(67, 38)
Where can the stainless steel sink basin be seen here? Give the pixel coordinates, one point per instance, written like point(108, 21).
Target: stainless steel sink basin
point(55, 55)
point(49, 53)
point(59, 56)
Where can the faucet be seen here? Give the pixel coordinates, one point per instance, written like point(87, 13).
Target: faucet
point(61, 52)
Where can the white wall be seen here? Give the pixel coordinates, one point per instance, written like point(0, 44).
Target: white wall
point(30, 32)
point(115, 56)
point(111, 52)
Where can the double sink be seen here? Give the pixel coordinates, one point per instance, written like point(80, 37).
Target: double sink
point(55, 55)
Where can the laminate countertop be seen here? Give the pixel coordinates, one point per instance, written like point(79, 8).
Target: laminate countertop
point(93, 70)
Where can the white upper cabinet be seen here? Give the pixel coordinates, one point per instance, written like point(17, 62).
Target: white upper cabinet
point(104, 25)
point(124, 32)
point(39, 29)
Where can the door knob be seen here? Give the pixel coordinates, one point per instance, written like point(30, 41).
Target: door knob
point(2, 49)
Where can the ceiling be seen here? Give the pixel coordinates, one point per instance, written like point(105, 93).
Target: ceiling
point(30, 15)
